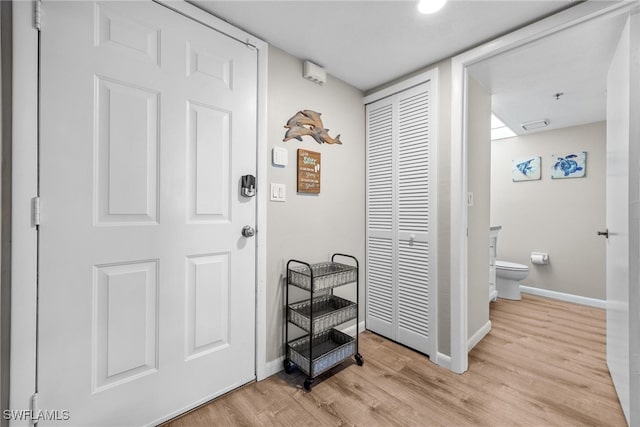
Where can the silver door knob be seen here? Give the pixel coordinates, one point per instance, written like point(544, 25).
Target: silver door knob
point(248, 231)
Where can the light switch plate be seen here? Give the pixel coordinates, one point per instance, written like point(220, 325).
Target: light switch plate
point(280, 156)
point(278, 192)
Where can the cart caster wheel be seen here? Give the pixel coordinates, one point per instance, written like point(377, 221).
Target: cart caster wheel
point(359, 359)
point(307, 384)
point(288, 366)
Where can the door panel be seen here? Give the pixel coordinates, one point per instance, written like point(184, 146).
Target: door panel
point(126, 120)
point(147, 288)
point(380, 313)
point(415, 193)
point(126, 326)
point(623, 220)
point(209, 150)
point(413, 295)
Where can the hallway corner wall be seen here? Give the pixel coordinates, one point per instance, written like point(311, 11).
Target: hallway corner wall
point(311, 227)
point(479, 179)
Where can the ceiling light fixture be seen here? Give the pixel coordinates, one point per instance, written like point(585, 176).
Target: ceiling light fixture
point(430, 6)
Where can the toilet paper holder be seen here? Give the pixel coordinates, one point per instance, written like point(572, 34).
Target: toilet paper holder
point(540, 258)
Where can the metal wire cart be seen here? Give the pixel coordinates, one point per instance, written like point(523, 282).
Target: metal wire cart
point(324, 347)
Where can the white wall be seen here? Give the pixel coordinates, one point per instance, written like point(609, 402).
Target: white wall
point(479, 137)
point(558, 216)
point(312, 227)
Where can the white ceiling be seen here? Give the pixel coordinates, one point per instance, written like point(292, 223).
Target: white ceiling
point(574, 62)
point(369, 43)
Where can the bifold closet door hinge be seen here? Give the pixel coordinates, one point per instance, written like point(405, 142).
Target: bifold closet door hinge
point(34, 406)
point(37, 14)
point(35, 211)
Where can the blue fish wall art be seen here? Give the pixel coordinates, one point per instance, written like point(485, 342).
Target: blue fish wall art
point(526, 169)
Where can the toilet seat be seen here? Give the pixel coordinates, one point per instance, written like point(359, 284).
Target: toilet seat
point(511, 266)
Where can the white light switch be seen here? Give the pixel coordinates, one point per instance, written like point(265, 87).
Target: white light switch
point(278, 192)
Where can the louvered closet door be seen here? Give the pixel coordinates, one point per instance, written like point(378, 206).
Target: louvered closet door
point(414, 218)
point(380, 304)
point(401, 232)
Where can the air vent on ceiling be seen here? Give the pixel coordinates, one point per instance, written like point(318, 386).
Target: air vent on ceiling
point(535, 125)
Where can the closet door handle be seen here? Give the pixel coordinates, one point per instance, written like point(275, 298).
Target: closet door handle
point(604, 233)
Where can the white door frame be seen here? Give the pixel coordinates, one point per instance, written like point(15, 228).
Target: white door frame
point(459, 168)
point(25, 187)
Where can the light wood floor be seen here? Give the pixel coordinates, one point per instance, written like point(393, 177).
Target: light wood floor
point(542, 364)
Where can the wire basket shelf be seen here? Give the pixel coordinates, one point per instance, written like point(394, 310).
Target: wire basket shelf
point(330, 348)
point(328, 311)
point(326, 275)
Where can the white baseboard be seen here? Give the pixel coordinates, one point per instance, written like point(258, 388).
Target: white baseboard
point(480, 333)
point(351, 330)
point(444, 361)
point(591, 302)
point(274, 366)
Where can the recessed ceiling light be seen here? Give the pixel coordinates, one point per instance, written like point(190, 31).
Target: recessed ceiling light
point(430, 6)
point(535, 125)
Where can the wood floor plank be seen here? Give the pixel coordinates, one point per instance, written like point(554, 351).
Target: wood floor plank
point(542, 364)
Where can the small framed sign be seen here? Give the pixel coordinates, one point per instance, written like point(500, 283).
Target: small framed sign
point(308, 171)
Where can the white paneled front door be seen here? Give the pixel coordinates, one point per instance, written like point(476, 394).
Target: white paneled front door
point(146, 285)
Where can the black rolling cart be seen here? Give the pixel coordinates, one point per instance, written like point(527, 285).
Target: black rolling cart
point(324, 346)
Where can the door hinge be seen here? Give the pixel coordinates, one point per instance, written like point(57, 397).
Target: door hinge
point(34, 407)
point(35, 211)
point(37, 14)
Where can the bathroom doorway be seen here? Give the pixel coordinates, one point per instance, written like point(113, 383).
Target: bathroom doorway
point(461, 304)
point(551, 95)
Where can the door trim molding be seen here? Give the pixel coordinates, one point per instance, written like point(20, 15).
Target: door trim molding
point(23, 267)
point(574, 16)
point(24, 186)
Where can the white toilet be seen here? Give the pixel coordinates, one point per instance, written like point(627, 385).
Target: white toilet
point(508, 277)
